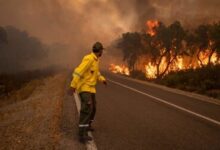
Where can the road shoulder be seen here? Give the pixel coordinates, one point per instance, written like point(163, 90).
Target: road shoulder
point(177, 91)
point(69, 124)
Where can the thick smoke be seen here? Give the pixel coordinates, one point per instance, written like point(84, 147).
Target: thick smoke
point(81, 22)
point(189, 12)
point(19, 51)
point(77, 24)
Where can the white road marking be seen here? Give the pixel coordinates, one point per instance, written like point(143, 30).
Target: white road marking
point(91, 144)
point(176, 91)
point(168, 103)
point(76, 97)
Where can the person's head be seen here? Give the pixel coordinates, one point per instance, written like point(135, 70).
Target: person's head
point(98, 49)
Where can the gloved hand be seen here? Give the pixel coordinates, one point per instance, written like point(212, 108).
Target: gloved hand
point(105, 83)
point(71, 91)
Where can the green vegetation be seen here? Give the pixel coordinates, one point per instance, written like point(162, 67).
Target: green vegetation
point(204, 80)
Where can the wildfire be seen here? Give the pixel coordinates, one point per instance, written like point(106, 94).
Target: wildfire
point(180, 63)
point(204, 57)
point(121, 69)
point(151, 71)
point(151, 24)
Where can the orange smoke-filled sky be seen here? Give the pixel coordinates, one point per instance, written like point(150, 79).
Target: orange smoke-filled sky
point(79, 23)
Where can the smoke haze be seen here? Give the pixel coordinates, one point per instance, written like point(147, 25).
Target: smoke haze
point(77, 24)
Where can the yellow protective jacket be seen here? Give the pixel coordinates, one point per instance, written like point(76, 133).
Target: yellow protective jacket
point(85, 76)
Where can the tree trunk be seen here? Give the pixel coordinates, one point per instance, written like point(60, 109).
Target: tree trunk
point(158, 66)
point(168, 65)
point(201, 63)
point(210, 56)
point(159, 63)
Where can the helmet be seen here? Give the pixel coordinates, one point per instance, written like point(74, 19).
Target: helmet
point(97, 47)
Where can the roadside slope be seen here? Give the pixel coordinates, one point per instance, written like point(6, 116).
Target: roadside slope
point(35, 122)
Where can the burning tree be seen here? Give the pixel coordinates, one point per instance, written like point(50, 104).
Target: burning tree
point(215, 41)
point(204, 42)
point(165, 46)
point(163, 49)
point(131, 46)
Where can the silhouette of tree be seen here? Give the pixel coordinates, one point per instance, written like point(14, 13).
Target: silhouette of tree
point(131, 46)
point(167, 44)
point(22, 52)
point(3, 35)
point(214, 33)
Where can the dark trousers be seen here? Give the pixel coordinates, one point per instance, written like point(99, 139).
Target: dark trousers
point(87, 112)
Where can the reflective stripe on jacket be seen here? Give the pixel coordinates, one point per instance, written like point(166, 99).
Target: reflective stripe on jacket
point(85, 76)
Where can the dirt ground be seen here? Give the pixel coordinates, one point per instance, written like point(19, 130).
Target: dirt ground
point(37, 122)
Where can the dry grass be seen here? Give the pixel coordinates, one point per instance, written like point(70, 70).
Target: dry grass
point(20, 94)
point(35, 122)
point(19, 86)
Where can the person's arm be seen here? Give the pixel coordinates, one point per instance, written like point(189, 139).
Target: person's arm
point(101, 78)
point(80, 70)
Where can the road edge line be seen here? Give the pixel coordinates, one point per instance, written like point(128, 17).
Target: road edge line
point(196, 96)
point(168, 103)
point(90, 145)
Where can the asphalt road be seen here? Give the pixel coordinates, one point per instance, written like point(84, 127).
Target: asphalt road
point(128, 120)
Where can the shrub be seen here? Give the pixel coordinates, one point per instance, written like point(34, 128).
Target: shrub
point(201, 80)
point(13, 82)
point(138, 74)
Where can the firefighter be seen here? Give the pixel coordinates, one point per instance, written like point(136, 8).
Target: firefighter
point(85, 77)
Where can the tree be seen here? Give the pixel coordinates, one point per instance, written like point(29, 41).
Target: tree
point(22, 52)
point(166, 45)
point(131, 46)
point(201, 40)
point(207, 40)
point(3, 35)
point(214, 34)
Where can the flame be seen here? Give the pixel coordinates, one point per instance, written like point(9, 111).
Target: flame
point(121, 69)
point(151, 25)
point(204, 57)
point(151, 71)
point(214, 59)
point(180, 63)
